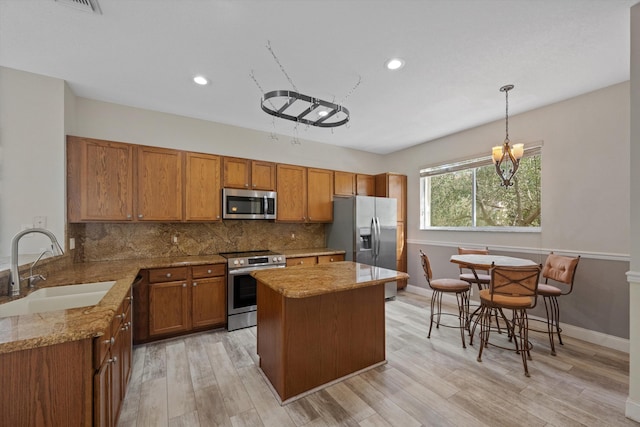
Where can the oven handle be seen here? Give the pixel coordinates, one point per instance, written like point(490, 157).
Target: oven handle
point(245, 270)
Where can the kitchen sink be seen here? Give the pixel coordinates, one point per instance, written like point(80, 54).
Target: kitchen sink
point(57, 298)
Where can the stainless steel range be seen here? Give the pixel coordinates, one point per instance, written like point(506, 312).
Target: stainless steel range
point(241, 287)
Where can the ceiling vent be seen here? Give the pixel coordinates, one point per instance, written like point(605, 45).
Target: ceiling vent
point(90, 6)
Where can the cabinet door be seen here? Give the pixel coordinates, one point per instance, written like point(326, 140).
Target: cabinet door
point(100, 180)
point(309, 260)
point(236, 172)
point(397, 189)
point(126, 351)
point(330, 258)
point(102, 394)
point(344, 183)
point(292, 193)
point(168, 308)
point(117, 385)
point(202, 187)
point(263, 175)
point(208, 298)
point(319, 195)
point(365, 185)
point(159, 184)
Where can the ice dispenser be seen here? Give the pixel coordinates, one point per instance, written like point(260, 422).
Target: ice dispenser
point(365, 239)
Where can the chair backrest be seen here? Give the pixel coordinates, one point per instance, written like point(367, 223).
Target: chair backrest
point(560, 269)
point(426, 266)
point(472, 251)
point(515, 282)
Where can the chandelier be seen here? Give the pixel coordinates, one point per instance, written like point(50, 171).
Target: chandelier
point(506, 158)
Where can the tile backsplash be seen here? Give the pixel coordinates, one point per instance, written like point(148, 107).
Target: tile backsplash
point(104, 242)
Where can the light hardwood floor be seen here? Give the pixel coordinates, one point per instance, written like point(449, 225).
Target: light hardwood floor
point(212, 378)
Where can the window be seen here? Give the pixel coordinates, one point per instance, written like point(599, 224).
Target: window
point(468, 195)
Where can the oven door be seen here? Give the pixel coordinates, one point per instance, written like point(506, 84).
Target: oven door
point(241, 289)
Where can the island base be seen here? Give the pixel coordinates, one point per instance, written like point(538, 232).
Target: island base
point(308, 343)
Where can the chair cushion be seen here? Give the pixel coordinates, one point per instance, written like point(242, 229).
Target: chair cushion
point(504, 300)
point(450, 285)
point(469, 277)
point(548, 290)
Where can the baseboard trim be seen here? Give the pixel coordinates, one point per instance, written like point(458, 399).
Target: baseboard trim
point(593, 337)
point(632, 410)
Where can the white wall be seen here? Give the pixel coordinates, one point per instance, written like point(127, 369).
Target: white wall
point(32, 159)
point(120, 123)
point(585, 174)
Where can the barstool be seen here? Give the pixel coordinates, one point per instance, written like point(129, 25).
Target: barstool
point(446, 286)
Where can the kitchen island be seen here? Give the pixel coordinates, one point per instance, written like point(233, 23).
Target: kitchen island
point(319, 324)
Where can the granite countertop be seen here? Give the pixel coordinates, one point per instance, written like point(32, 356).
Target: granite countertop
point(318, 279)
point(54, 327)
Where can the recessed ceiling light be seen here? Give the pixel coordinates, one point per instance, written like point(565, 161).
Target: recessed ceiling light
point(394, 64)
point(200, 80)
point(323, 113)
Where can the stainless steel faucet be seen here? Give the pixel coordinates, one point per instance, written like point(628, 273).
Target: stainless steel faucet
point(14, 280)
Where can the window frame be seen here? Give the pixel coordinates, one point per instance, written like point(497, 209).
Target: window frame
point(472, 164)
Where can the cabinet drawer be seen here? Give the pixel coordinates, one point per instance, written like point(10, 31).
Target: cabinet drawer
point(101, 347)
point(167, 274)
point(309, 260)
point(207, 270)
point(330, 258)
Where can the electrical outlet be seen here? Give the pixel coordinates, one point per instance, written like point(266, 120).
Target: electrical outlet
point(39, 222)
point(72, 243)
point(175, 240)
point(293, 236)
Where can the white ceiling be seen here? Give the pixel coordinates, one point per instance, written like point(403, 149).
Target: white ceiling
point(458, 53)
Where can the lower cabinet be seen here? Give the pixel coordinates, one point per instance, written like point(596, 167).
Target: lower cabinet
point(312, 260)
point(112, 361)
point(177, 300)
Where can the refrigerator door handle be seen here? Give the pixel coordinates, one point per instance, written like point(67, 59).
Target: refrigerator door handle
point(374, 238)
point(378, 239)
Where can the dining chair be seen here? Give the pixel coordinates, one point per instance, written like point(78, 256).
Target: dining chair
point(513, 288)
point(479, 277)
point(561, 270)
point(446, 286)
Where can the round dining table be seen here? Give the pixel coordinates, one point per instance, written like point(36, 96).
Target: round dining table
point(484, 262)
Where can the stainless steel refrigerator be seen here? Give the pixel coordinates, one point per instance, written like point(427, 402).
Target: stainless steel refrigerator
point(365, 228)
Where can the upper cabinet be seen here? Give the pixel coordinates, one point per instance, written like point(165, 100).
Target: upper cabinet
point(159, 184)
point(249, 174)
point(304, 194)
point(202, 187)
point(344, 183)
point(99, 180)
point(114, 181)
point(365, 185)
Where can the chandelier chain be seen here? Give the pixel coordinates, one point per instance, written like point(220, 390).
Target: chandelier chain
point(281, 66)
point(506, 95)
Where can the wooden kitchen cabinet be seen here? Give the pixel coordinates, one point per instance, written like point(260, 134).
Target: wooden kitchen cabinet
point(365, 185)
point(292, 193)
point(394, 185)
point(113, 361)
point(99, 180)
point(177, 300)
point(159, 184)
point(202, 187)
point(330, 258)
point(344, 183)
point(304, 194)
point(307, 260)
point(249, 174)
point(319, 195)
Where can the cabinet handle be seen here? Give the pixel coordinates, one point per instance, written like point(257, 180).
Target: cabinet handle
point(217, 216)
point(128, 216)
point(111, 341)
point(139, 215)
point(168, 274)
point(119, 316)
point(208, 271)
point(114, 360)
point(195, 284)
point(246, 185)
point(301, 262)
point(331, 260)
point(184, 285)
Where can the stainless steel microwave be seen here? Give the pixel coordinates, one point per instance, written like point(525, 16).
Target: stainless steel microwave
point(248, 204)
